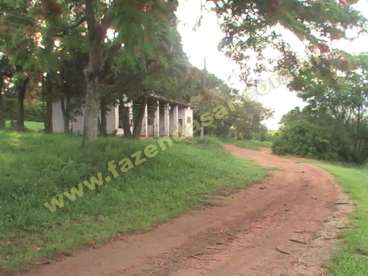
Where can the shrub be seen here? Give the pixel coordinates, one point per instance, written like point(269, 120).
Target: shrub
point(34, 112)
point(316, 137)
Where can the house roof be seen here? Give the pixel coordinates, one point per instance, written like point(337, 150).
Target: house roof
point(166, 100)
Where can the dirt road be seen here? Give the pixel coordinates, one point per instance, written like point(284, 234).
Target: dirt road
point(287, 225)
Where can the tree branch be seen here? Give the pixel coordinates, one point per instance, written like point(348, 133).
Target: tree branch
point(76, 24)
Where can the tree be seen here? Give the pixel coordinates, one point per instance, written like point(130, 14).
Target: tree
point(18, 45)
point(334, 124)
point(164, 74)
point(252, 26)
point(138, 26)
point(5, 73)
point(247, 119)
point(61, 32)
point(239, 116)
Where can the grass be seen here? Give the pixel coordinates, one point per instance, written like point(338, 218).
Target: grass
point(34, 126)
point(31, 126)
point(253, 144)
point(352, 259)
point(35, 167)
point(248, 144)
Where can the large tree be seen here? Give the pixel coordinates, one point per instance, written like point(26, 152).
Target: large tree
point(253, 26)
point(164, 74)
point(138, 27)
point(334, 124)
point(18, 42)
point(131, 35)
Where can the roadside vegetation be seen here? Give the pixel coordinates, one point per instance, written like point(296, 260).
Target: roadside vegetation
point(35, 167)
point(334, 123)
point(352, 259)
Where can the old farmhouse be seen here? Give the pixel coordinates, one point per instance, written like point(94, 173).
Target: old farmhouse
point(162, 117)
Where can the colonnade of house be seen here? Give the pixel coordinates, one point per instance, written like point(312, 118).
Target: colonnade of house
point(161, 118)
point(165, 119)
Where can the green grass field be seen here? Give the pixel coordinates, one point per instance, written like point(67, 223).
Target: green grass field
point(35, 167)
point(352, 260)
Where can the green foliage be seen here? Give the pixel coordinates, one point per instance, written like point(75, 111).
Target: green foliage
point(247, 119)
point(35, 167)
point(10, 104)
point(317, 136)
point(35, 112)
point(242, 118)
point(18, 38)
point(251, 27)
point(334, 124)
point(301, 136)
point(49, 40)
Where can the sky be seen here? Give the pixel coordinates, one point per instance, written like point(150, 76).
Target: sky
point(200, 44)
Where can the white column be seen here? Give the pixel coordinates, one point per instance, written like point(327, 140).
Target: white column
point(144, 131)
point(130, 105)
point(156, 120)
point(188, 122)
point(166, 120)
point(175, 126)
point(117, 117)
point(57, 118)
point(112, 119)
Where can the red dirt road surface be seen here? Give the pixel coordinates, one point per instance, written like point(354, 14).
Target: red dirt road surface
point(287, 225)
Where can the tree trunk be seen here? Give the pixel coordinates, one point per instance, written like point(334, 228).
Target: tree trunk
point(21, 96)
point(103, 123)
point(91, 112)
point(65, 109)
point(2, 111)
point(95, 68)
point(48, 119)
point(358, 130)
point(20, 113)
point(47, 97)
point(125, 120)
point(139, 119)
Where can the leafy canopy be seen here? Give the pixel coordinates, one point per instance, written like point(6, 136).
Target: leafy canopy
point(252, 26)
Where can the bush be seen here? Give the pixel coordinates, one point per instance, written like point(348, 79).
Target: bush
point(34, 112)
point(303, 139)
point(321, 138)
point(10, 104)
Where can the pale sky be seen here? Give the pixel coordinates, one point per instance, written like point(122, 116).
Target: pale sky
point(201, 43)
